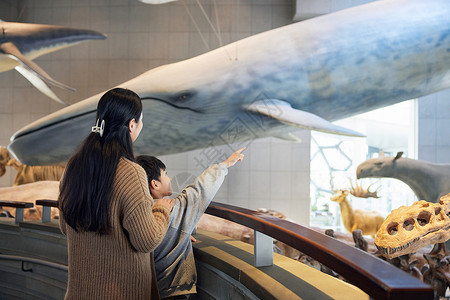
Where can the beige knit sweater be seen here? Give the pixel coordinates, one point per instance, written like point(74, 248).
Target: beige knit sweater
point(117, 265)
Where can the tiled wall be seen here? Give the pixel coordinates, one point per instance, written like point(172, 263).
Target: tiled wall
point(434, 127)
point(274, 174)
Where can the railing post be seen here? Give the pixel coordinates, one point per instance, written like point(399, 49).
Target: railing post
point(263, 250)
point(46, 214)
point(19, 215)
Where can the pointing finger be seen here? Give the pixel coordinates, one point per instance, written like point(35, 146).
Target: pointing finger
point(240, 150)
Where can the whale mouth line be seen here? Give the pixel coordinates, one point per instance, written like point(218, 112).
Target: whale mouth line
point(27, 132)
point(21, 134)
point(173, 105)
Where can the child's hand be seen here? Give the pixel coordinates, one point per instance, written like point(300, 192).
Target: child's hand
point(234, 158)
point(166, 202)
point(193, 239)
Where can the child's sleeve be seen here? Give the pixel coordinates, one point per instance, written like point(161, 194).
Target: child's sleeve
point(195, 198)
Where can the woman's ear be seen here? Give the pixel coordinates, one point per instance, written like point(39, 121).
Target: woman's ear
point(132, 125)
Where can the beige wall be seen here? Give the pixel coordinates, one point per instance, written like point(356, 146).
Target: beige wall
point(275, 173)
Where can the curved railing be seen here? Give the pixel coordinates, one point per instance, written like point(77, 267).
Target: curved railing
point(25, 259)
point(374, 276)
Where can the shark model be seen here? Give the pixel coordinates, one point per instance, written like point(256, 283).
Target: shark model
point(20, 43)
point(271, 84)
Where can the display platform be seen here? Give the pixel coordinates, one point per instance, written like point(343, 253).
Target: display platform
point(33, 265)
point(232, 261)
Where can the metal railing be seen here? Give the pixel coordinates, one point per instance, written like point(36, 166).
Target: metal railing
point(377, 278)
point(19, 206)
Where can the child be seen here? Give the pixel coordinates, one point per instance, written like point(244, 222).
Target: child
point(174, 258)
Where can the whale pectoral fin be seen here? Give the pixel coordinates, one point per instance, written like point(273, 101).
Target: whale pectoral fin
point(283, 112)
point(288, 137)
point(13, 52)
point(38, 83)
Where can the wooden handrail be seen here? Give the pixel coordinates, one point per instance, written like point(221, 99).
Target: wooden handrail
point(374, 276)
point(16, 204)
point(47, 202)
point(19, 206)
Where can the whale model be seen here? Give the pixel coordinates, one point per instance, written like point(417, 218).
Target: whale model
point(270, 84)
point(20, 43)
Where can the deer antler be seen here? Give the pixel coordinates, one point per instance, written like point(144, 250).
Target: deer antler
point(358, 191)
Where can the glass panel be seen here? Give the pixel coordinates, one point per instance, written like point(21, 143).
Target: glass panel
point(334, 160)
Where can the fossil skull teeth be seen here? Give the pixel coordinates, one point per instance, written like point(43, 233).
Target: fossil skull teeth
point(408, 229)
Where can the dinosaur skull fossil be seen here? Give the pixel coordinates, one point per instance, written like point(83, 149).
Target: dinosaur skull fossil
point(408, 229)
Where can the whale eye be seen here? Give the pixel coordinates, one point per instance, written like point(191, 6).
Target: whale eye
point(184, 95)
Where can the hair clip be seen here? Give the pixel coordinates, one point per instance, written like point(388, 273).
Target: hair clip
point(100, 128)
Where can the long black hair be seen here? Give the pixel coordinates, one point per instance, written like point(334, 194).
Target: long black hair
point(87, 185)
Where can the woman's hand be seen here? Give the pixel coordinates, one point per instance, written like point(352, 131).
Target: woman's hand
point(234, 158)
point(166, 202)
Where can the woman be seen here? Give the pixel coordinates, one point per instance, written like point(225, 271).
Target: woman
point(107, 212)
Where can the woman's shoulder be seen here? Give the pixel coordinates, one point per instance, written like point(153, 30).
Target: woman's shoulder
point(131, 183)
point(130, 175)
point(130, 168)
point(125, 163)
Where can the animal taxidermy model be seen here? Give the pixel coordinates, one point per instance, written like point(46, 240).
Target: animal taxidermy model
point(28, 174)
point(368, 221)
point(360, 192)
point(20, 43)
point(410, 228)
point(302, 75)
point(429, 181)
